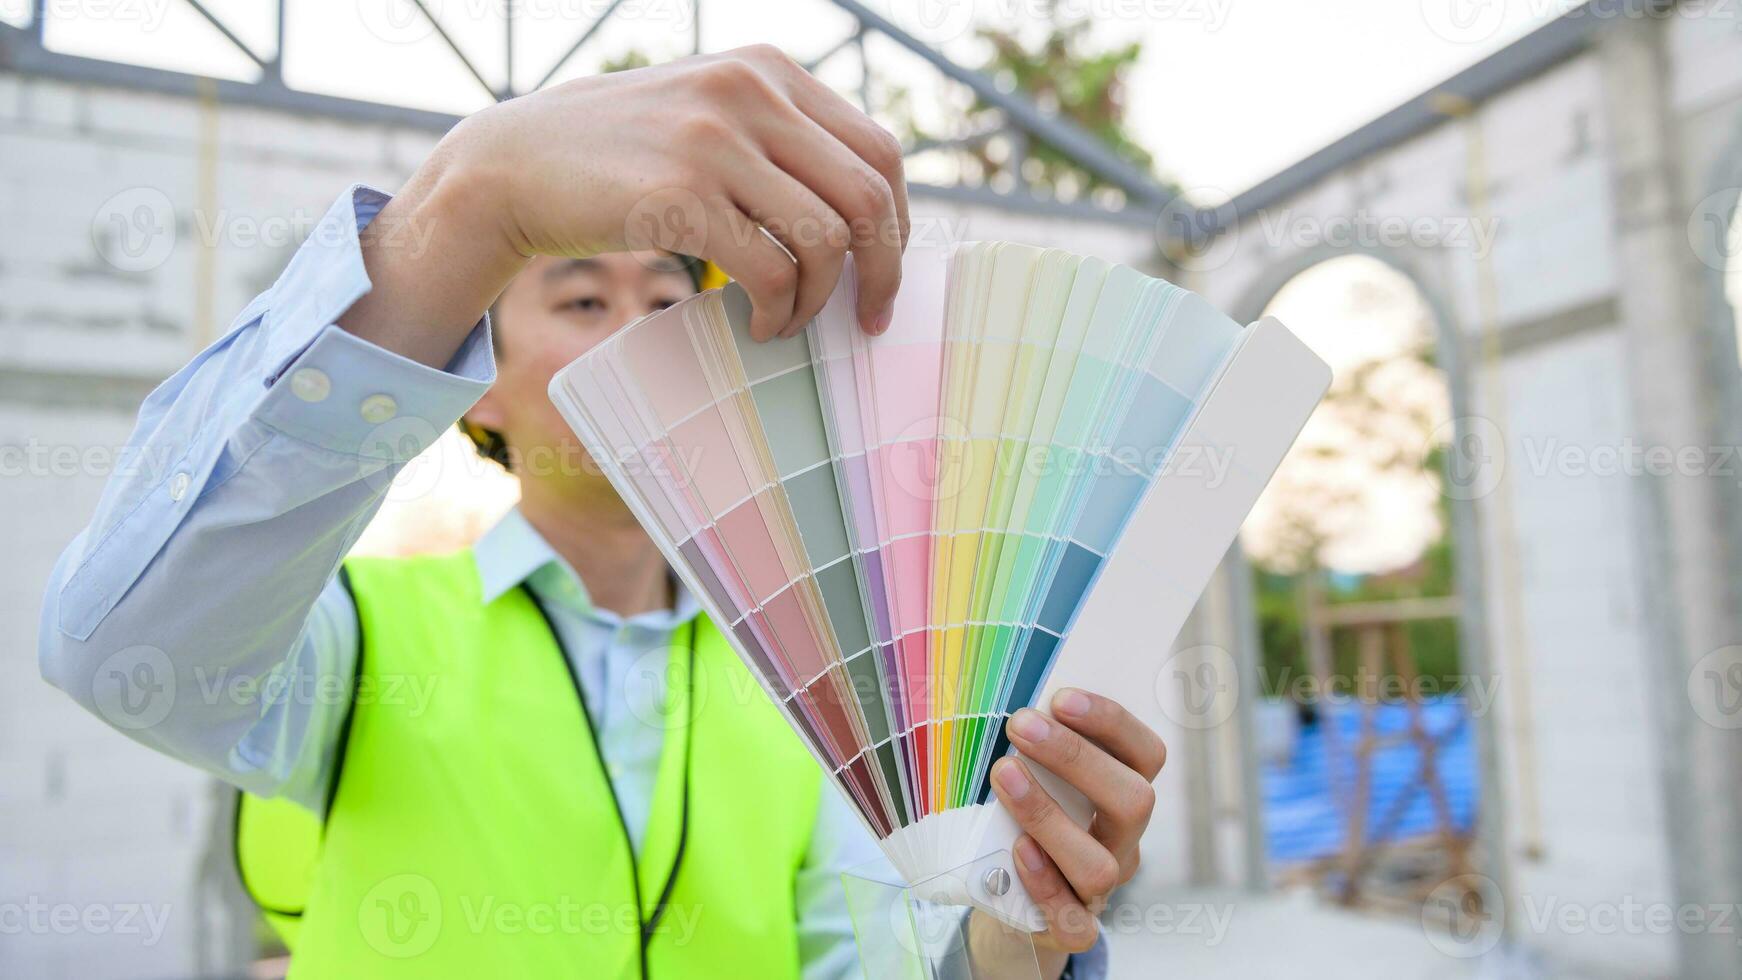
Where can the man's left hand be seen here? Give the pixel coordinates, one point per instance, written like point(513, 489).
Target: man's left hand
point(1110, 757)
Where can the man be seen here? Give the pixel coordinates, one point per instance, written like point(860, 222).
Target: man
point(536, 809)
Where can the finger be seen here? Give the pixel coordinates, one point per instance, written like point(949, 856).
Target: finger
point(758, 263)
point(1089, 866)
point(805, 225)
point(1123, 798)
point(856, 166)
point(877, 146)
point(1113, 728)
point(1069, 923)
point(860, 195)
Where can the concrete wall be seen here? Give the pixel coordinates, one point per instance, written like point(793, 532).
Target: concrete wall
point(93, 316)
point(1579, 333)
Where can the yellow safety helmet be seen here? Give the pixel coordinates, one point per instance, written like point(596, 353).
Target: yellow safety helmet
point(491, 445)
point(712, 276)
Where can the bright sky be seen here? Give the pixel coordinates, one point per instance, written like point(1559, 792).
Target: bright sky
point(1229, 91)
point(1356, 481)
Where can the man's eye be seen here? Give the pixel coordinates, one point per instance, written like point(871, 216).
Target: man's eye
point(584, 304)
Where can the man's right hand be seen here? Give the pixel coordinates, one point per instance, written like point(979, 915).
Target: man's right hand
point(698, 156)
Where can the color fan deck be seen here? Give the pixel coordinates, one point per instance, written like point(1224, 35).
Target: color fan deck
point(899, 532)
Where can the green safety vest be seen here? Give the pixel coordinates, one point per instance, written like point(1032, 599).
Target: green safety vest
point(473, 832)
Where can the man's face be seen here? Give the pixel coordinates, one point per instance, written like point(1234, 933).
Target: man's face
point(553, 312)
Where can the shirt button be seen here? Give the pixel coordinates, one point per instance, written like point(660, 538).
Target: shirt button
point(377, 409)
point(178, 486)
point(311, 384)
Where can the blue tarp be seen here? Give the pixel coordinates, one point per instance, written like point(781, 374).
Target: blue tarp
point(1302, 817)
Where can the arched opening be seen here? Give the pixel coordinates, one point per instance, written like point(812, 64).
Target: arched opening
point(1367, 719)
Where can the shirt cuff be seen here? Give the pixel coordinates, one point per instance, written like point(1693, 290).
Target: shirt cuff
point(347, 395)
point(334, 390)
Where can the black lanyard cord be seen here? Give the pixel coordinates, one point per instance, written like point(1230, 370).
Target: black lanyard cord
point(650, 924)
point(683, 830)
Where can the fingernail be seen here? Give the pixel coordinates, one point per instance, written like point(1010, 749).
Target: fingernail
point(1028, 852)
point(1071, 701)
point(1029, 724)
point(881, 324)
point(1013, 779)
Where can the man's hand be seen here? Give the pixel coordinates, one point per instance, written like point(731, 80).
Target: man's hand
point(742, 158)
point(1111, 758)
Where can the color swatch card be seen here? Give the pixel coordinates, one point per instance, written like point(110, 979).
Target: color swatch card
point(901, 534)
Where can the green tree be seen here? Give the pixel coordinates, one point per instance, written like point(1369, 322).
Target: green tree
point(1060, 71)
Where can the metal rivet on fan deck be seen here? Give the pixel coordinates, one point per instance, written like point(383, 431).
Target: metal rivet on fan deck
point(997, 881)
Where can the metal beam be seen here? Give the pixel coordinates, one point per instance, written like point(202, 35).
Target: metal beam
point(19, 53)
point(586, 35)
point(1544, 48)
point(972, 139)
point(447, 39)
point(1060, 133)
point(275, 71)
point(229, 35)
point(813, 64)
point(1046, 207)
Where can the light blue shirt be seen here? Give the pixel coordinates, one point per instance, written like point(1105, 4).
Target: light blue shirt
point(199, 613)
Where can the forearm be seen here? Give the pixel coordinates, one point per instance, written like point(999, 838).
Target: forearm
point(437, 256)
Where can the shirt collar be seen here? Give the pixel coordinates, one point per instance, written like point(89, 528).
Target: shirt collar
point(513, 552)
